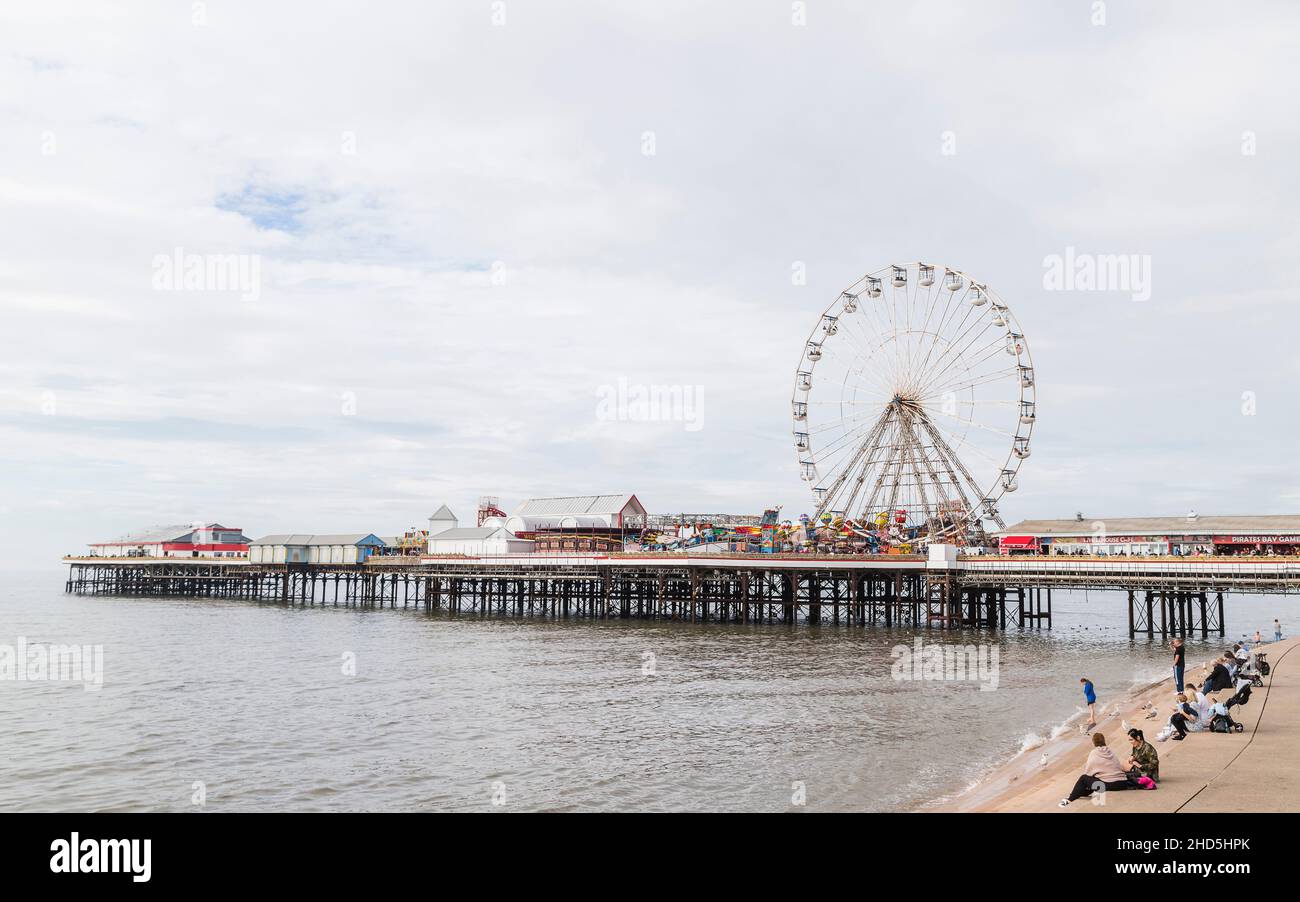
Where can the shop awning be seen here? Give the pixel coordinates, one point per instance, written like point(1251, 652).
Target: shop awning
point(1019, 542)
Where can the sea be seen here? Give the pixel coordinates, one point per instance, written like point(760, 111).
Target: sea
point(219, 705)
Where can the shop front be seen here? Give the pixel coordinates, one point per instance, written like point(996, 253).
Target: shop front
point(1110, 546)
point(1019, 545)
point(1261, 544)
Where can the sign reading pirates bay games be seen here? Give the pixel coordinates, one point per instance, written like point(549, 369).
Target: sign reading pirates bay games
point(1257, 540)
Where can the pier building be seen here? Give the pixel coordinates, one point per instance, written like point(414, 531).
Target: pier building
point(1187, 536)
point(489, 538)
point(580, 523)
point(195, 540)
point(585, 512)
point(479, 541)
point(295, 548)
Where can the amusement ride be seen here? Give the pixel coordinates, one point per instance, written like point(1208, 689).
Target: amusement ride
point(913, 407)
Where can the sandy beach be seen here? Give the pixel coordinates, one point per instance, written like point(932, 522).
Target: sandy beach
point(1257, 770)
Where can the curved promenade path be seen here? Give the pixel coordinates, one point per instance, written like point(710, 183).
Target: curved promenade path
point(1258, 770)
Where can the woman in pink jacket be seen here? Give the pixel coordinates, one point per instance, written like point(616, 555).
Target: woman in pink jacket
point(1102, 773)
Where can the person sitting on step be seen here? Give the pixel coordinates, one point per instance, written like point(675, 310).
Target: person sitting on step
point(1144, 762)
point(1102, 773)
point(1183, 719)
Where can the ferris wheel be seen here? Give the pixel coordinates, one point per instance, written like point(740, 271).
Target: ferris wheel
point(913, 404)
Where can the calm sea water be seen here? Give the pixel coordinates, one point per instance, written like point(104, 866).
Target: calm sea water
point(255, 702)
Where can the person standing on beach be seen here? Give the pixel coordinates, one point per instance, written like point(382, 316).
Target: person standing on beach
point(1090, 696)
point(1179, 654)
point(1277, 630)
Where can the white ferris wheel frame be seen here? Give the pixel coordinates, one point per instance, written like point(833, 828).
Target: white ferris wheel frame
point(905, 318)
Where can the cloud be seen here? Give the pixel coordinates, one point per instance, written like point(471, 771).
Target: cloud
point(461, 236)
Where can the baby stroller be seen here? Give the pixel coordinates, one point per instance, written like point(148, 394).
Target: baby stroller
point(1255, 669)
point(1242, 697)
point(1223, 723)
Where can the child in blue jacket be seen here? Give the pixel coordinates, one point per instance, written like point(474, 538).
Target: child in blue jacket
point(1090, 696)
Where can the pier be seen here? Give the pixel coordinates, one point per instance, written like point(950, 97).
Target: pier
point(1165, 597)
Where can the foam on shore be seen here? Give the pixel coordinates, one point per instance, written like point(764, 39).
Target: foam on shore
point(1057, 750)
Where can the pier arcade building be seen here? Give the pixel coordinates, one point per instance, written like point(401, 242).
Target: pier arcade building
point(1192, 535)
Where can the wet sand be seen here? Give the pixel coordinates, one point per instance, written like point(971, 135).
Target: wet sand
point(1257, 770)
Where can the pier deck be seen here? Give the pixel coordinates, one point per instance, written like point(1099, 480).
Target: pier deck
point(1178, 597)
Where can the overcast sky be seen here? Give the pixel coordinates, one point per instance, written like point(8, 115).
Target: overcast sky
point(470, 216)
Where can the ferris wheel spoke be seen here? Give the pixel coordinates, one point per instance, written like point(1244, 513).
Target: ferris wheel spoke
point(922, 340)
point(973, 382)
point(836, 431)
point(850, 410)
point(970, 402)
point(944, 318)
point(944, 327)
point(906, 344)
point(962, 330)
point(971, 422)
point(983, 354)
point(974, 360)
point(866, 378)
point(839, 427)
point(839, 444)
point(956, 352)
point(925, 327)
point(849, 435)
point(884, 368)
point(849, 349)
point(934, 291)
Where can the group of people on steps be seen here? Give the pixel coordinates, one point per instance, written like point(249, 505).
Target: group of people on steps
point(1198, 710)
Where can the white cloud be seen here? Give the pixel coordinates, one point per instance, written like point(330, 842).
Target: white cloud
point(498, 246)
